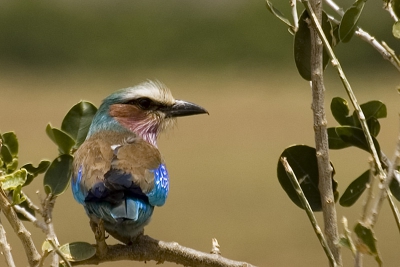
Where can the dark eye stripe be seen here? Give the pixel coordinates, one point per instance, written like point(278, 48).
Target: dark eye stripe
point(145, 103)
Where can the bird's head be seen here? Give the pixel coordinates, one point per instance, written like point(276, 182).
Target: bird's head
point(146, 109)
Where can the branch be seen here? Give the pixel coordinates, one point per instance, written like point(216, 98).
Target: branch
point(349, 91)
point(294, 14)
point(47, 207)
point(147, 249)
point(321, 138)
point(389, 8)
point(5, 247)
point(310, 213)
point(39, 224)
point(23, 234)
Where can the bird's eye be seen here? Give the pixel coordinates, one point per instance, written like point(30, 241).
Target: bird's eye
point(144, 103)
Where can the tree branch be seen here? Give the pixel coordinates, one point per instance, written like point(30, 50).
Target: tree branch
point(307, 208)
point(23, 234)
point(148, 249)
point(321, 137)
point(5, 247)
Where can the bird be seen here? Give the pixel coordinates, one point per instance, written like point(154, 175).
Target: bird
point(118, 174)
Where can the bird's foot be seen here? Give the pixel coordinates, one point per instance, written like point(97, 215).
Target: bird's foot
point(100, 236)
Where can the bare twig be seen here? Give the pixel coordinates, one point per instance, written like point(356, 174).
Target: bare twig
point(394, 208)
point(20, 230)
point(389, 8)
point(39, 224)
point(147, 249)
point(47, 207)
point(309, 211)
point(31, 204)
point(5, 247)
point(384, 185)
point(347, 234)
point(294, 15)
point(370, 194)
point(215, 247)
point(382, 48)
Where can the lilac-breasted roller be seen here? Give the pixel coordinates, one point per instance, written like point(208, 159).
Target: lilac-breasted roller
point(119, 174)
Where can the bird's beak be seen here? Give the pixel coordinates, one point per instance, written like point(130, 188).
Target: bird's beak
point(182, 108)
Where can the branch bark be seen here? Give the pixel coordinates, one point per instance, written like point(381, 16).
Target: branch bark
point(321, 138)
point(5, 247)
point(147, 249)
point(23, 234)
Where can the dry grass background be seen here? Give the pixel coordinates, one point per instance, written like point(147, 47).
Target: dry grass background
point(222, 166)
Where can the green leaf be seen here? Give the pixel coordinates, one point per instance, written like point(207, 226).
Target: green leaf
point(57, 177)
point(395, 188)
point(35, 171)
point(13, 180)
point(78, 251)
point(302, 44)
point(12, 166)
point(279, 15)
point(77, 121)
point(355, 190)
point(372, 109)
point(61, 139)
point(374, 126)
point(335, 142)
point(10, 140)
point(18, 198)
point(345, 242)
point(355, 136)
point(303, 161)
point(340, 111)
point(46, 246)
point(367, 244)
point(348, 25)
point(396, 29)
point(6, 155)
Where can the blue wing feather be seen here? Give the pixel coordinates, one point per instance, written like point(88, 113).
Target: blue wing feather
point(159, 193)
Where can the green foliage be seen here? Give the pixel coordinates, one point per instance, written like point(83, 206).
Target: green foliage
point(61, 139)
point(302, 44)
point(73, 252)
point(355, 137)
point(77, 121)
point(303, 161)
point(74, 129)
point(78, 251)
point(355, 190)
point(372, 110)
point(367, 240)
point(13, 180)
point(57, 177)
point(348, 25)
point(35, 171)
point(280, 16)
point(8, 152)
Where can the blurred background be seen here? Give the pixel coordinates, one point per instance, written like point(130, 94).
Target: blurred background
point(232, 57)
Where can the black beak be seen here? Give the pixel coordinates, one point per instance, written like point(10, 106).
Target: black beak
point(182, 108)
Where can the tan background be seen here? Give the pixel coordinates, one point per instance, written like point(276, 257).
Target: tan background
point(222, 166)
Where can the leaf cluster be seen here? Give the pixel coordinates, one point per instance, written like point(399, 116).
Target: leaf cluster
point(57, 173)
